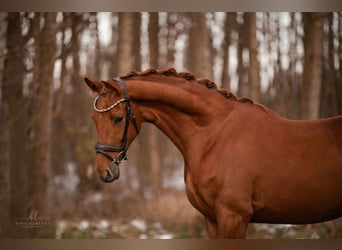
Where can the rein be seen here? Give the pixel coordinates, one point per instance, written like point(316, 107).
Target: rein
point(102, 147)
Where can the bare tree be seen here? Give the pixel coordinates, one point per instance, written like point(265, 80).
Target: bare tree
point(125, 42)
point(16, 103)
point(171, 37)
point(241, 48)
point(45, 47)
point(4, 173)
point(312, 74)
point(136, 41)
point(339, 50)
point(79, 99)
point(199, 47)
point(153, 32)
point(254, 67)
point(4, 142)
point(292, 75)
point(329, 90)
point(229, 22)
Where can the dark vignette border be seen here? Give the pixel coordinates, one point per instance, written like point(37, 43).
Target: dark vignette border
point(171, 5)
point(184, 6)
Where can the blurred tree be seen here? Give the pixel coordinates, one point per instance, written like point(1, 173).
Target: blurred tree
point(60, 116)
point(230, 21)
point(280, 81)
point(293, 76)
point(253, 67)
point(241, 55)
point(136, 41)
point(82, 145)
point(5, 215)
point(98, 53)
point(171, 37)
point(5, 221)
point(199, 47)
point(312, 72)
point(16, 103)
point(339, 53)
point(153, 39)
point(45, 51)
point(329, 93)
point(125, 57)
point(113, 46)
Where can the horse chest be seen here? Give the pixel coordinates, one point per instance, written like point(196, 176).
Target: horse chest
point(197, 199)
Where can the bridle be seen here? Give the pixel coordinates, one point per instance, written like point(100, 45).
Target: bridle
point(102, 147)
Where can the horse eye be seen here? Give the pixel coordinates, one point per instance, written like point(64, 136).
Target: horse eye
point(117, 119)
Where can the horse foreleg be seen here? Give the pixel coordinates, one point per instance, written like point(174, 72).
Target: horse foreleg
point(231, 225)
point(211, 227)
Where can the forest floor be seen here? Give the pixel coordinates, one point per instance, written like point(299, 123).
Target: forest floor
point(141, 229)
point(169, 217)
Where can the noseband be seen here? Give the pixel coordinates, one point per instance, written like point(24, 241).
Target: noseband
point(102, 147)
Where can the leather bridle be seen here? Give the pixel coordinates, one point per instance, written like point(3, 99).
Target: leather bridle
point(102, 147)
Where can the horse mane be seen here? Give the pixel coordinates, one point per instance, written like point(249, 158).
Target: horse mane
point(189, 77)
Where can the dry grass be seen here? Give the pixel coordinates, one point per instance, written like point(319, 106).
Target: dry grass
point(172, 213)
point(171, 207)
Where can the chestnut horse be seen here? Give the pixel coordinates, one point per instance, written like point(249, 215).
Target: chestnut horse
point(243, 162)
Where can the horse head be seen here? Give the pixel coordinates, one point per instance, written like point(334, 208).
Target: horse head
point(116, 125)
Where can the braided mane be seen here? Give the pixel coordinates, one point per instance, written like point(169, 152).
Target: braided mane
point(189, 77)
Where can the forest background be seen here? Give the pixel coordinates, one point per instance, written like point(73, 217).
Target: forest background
point(290, 62)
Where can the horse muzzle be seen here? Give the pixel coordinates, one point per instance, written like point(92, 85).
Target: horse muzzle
point(111, 174)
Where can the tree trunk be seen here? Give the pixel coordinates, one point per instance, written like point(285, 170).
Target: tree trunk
point(241, 69)
point(113, 47)
point(5, 215)
point(42, 120)
point(338, 83)
point(171, 37)
point(59, 114)
point(12, 94)
point(79, 114)
point(292, 75)
point(312, 73)
point(125, 43)
point(136, 65)
point(153, 41)
point(98, 52)
point(199, 47)
point(254, 67)
point(329, 95)
point(282, 101)
point(225, 78)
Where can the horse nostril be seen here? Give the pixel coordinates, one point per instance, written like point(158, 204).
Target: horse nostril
point(109, 177)
point(110, 174)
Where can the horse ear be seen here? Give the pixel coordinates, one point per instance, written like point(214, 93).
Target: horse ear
point(111, 86)
point(93, 85)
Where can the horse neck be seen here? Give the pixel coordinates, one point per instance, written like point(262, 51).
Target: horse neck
point(181, 109)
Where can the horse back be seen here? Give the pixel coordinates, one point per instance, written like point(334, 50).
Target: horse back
point(302, 182)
